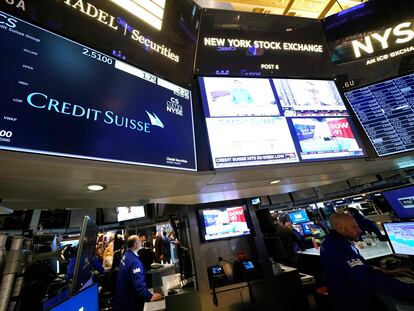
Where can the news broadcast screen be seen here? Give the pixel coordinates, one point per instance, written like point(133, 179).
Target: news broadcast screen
point(260, 121)
point(61, 98)
point(222, 223)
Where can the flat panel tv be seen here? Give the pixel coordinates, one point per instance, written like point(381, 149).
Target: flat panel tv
point(224, 223)
point(86, 300)
point(62, 98)
point(386, 111)
point(130, 212)
point(256, 121)
point(401, 201)
point(298, 217)
point(401, 237)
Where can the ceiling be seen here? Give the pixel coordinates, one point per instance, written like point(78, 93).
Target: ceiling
point(35, 181)
point(300, 8)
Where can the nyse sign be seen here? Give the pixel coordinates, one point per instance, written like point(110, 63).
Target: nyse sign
point(399, 34)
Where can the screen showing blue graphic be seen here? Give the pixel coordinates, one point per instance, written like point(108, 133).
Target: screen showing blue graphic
point(401, 201)
point(86, 300)
point(62, 98)
point(401, 236)
point(256, 121)
point(298, 217)
point(306, 228)
point(386, 111)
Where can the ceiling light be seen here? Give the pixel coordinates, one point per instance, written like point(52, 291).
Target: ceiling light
point(96, 187)
point(274, 181)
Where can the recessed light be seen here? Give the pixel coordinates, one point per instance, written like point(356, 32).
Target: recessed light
point(96, 187)
point(274, 181)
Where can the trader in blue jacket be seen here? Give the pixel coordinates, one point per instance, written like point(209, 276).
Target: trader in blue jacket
point(352, 283)
point(131, 289)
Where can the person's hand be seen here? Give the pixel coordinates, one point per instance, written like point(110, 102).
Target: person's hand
point(156, 297)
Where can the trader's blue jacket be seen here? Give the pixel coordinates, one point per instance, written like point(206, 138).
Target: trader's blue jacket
point(131, 289)
point(352, 283)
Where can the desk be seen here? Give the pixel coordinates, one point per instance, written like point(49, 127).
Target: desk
point(155, 306)
point(381, 249)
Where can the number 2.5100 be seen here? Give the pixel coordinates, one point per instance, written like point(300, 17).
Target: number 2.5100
point(97, 56)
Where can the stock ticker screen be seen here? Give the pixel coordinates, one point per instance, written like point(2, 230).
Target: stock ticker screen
point(62, 98)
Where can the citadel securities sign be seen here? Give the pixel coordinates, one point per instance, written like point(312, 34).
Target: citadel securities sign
point(105, 18)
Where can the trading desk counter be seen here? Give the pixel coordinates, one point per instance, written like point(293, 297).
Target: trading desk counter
point(381, 249)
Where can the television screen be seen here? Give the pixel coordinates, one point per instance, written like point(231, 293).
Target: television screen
point(130, 212)
point(226, 222)
point(86, 300)
point(256, 121)
point(113, 111)
point(384, 110)
point(401, 201)
point(298, 217)
point(401, 236)
point(256, 201)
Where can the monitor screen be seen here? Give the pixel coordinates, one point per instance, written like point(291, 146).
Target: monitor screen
point(298, 217)
point(306, 227)
point(385, 111)
point(401, 236)
point(86, 250)
point(226, 222)
point(111, 110)
point(86, 300)
point(256, 121)
point(130, 212)
point(401, 201)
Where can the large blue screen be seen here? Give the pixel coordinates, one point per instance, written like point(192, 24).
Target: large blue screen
point(86, 300)
point(401, 201)
point(58, 97)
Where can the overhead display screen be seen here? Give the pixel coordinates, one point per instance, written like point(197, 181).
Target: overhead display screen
point(386, 112)
point(261, 45)
point(62, 98)
point(157, 36)
point(272, 121)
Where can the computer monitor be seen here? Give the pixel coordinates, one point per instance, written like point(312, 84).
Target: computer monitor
point(298, 217)
point(401, 201)
point(401, 237)
point(86, 300)
point(306, 227)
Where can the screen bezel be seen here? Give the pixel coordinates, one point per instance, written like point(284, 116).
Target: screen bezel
point(350, 118)
point(202, 228)
point(388, 237)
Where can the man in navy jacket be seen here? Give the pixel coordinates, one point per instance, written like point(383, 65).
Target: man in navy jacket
point(131, 289)
point(352, 283)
